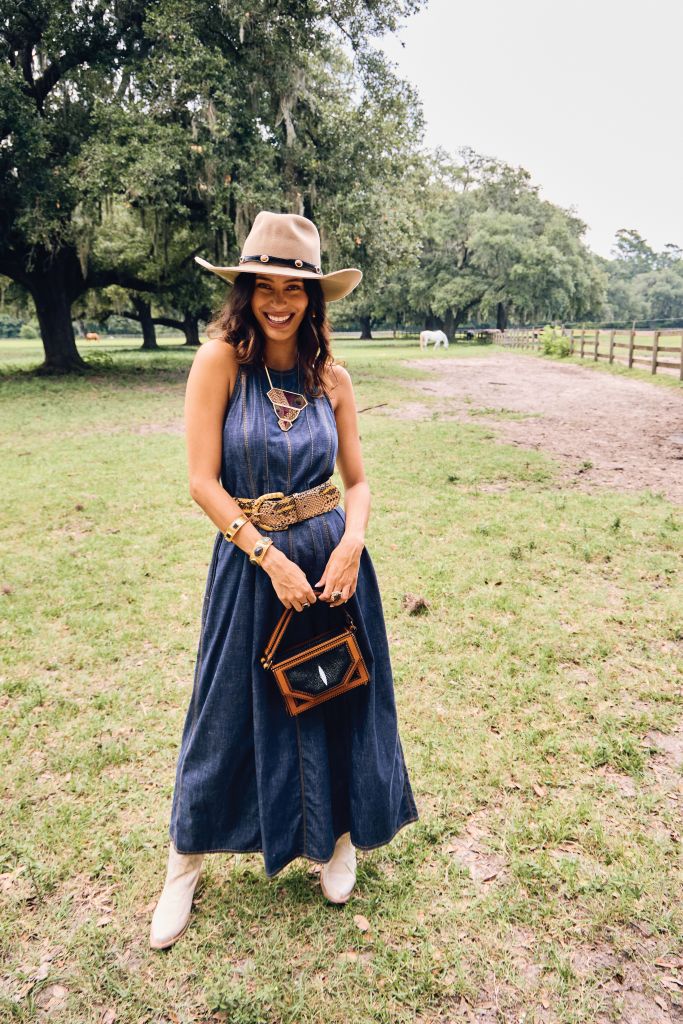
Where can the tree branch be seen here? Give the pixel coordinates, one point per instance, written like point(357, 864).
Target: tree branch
point(103, 278)
point(14, 269)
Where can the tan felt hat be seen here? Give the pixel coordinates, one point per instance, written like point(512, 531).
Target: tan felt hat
point(287, 245)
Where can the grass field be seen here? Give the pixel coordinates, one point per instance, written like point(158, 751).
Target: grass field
point(540, 707)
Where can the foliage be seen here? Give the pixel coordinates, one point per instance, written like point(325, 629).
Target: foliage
point(488, 241)
point(555, 343)
point(183, 119)
point(644, 285)
point(9, 326)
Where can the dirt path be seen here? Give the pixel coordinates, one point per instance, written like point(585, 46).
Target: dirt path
point(606, 430)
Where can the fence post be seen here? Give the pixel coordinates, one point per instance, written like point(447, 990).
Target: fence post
point(597, 342)
point(583, 338)
point(680, 368)
point(571, 341)
point(631, 340)
point(611, 346)
point(655, 350)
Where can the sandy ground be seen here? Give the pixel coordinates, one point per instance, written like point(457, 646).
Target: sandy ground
point(605, 430)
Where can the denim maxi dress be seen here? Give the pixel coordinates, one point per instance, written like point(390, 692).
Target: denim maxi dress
point(249, 777)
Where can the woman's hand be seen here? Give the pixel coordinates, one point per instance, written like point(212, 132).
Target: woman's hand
point(341, 571)
point(289, 581)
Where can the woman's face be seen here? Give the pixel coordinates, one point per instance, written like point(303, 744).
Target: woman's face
point(279, 305)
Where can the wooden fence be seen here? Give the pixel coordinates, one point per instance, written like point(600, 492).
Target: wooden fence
point(654, 349)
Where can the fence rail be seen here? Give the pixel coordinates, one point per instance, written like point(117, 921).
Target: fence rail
point(611, 345)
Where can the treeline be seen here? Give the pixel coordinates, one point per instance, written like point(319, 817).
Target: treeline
point(644, 285)
point(134, 136)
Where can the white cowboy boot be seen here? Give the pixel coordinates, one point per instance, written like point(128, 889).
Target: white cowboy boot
point(172, 914)
point(338, 876)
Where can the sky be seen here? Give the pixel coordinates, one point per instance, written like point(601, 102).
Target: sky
point(587, 96)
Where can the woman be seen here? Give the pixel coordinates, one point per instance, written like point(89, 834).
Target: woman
point(267, 412)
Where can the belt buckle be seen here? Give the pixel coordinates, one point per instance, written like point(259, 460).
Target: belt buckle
point(256, 508)
point(267, 497)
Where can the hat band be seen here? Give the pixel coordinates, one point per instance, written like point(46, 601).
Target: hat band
point(279, 261)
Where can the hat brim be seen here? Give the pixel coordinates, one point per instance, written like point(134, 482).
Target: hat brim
point(334, 286)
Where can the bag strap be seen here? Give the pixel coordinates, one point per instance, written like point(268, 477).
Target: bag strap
point(282, 624)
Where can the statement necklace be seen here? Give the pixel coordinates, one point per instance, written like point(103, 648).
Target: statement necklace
point(286, 404)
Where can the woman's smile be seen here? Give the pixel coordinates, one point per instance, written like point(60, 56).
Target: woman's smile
point(278, 319)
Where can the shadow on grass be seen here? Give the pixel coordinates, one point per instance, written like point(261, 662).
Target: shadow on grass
point(121, 366)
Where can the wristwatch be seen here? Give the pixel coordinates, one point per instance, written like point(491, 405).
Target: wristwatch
point(258, 552)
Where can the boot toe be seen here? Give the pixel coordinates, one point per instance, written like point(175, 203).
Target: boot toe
point(160, 938)
point(338, 876)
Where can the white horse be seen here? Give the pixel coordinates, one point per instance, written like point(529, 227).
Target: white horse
point(438, 337)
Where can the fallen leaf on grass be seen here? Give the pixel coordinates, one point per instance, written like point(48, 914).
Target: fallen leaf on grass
point(108, 1016)
point(352, 957)
point(512, 784)
point(361, 922)
point(9, 877)
point(52, 998)
point(486, 877)
point(23, 990)
point(538, 789)
point(104, 920)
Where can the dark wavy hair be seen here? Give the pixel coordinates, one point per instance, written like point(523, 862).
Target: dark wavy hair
point(236, 325)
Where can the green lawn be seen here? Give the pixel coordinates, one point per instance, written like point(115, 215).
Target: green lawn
point(540, 707)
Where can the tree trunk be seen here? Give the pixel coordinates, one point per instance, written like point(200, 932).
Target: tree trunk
point(501, 317)
point(55, 281)
point(191, 329)
point(449, 324)
point(144, 310)
point(54, 316)
point(365, 328)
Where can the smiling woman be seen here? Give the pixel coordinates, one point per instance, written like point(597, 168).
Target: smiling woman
point(268, 410)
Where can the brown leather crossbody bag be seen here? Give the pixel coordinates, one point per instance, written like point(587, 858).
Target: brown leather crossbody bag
point(318, 669)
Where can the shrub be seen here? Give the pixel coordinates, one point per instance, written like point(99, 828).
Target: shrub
point(29, 330)
point(554, 342)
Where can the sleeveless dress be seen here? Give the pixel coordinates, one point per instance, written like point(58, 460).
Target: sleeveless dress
point(249, 777)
